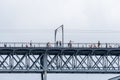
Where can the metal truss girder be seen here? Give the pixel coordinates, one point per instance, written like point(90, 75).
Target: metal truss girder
point(59, 60)
point(20, 60)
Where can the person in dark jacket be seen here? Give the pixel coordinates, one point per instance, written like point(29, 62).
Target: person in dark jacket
point(98, 44)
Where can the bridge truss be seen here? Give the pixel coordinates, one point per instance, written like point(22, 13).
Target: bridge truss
point(59, 60)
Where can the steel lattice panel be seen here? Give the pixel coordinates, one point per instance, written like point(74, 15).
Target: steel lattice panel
point(59, 60)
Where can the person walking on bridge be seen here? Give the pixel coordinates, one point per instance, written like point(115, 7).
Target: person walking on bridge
point(60, 43)
point(31, 43)
point(98, 44)
point(56, 43)
point(70, 44)
point(48, 44)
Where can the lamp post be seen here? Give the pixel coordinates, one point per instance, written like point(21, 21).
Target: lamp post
point(62, 27)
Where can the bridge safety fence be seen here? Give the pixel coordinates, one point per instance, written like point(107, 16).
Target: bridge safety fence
point(73, 45)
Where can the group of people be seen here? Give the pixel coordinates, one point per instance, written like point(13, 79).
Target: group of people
point(98, 45)
point(59, 44)
point(25, 45)
point(94, 45)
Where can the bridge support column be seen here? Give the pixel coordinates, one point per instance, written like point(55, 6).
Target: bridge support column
point(44, 75)
point(44, 64)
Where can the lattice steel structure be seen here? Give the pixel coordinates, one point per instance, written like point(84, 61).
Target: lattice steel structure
point(59, 60)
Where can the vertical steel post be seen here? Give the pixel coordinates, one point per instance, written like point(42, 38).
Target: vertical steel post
point(55, 37)
point(55, 34)
point(44, 73)
point(10, 61)
point(119, 62)
point(104, 62)
point(27, 61)
point(41, 76)
point(62, 36)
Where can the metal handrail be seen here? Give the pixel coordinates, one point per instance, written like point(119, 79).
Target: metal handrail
point(76, 45)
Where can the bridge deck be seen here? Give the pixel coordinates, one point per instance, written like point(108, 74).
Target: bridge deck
point(56, 50)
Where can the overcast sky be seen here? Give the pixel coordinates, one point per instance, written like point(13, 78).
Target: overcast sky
point(83, 20)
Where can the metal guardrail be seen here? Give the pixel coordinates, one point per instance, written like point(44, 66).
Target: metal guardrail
point(74, 45)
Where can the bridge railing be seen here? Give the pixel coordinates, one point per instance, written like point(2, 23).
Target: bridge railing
point(74, 45)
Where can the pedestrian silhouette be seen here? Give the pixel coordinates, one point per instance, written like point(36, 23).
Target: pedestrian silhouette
point(5, 45)
point(106, 45)
point(26, 45)
point(48, 44)
point(98, 44)
point(60, 43)
point(70, 44)
point(56, 43)
point(31, 43)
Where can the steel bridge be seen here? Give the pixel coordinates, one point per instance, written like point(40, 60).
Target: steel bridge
point(16, 58)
